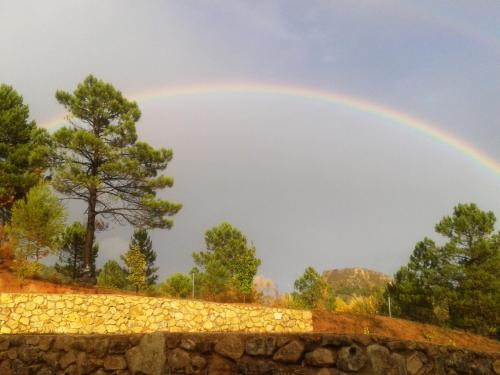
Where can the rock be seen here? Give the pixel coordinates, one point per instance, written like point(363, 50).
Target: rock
point(45, 343)
point(221, 366)
point(198, 363)
point(496, 367)
point(62, 342)
point(188, 344)
point(179, 360)
point(4, 344)
point(100, 346)
point(290, 353)
point(252, 365)
point(351, 358)
point(230, 346)
point(114, 362)
point(52, 359)
point(415, 362)
point(29, 354)
point(118, 345)
point(320, 357)
point(67, 359)
point(380, 359)
point(324, 371)
point(45, 371)
point(399, 363)
point(5, 367)
point(260, 345)
point(149, 356)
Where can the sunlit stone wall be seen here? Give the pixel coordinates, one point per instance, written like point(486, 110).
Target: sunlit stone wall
point(86, 314)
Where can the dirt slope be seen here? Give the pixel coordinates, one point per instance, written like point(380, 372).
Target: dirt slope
point(401, 329)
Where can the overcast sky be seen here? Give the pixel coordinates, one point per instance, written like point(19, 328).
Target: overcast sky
point(309, 183)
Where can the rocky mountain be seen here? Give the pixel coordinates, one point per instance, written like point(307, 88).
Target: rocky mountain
point(347, 282)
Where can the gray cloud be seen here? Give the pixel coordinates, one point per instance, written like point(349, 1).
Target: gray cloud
point(309, 183)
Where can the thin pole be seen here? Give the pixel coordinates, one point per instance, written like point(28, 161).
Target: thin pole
point(389, 297)
point(192, 277)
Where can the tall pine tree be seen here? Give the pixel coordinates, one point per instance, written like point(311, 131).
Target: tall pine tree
point(101, 162)
point(141, 239)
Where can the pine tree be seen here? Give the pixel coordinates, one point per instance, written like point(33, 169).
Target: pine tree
point(228, 262)
point(71, 255)
point(136, 268)
point(457, 284)
point(37, 223)
point(141, 239)
point(24, 151)
point(312, 292)
point(112, 276)
point(100, 161)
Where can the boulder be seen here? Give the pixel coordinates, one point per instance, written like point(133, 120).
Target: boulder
point(351, 358)
point(290, 353)
point(149, 356)
point(320, 357)
point(230, 346)
point(260, 345)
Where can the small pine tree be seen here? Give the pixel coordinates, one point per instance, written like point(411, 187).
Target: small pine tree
point(37, 223)
point(136, 268)
point(141, 239)
point(112, 276)
point(71, 255)
point(312, 292)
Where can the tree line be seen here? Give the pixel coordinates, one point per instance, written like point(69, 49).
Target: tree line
point(99, 161)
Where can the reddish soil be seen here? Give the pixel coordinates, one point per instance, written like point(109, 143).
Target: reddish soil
point(11, 284)
point(346, 323)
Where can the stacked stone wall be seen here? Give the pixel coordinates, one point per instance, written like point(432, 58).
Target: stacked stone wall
point(234, 353)
point(104, 314)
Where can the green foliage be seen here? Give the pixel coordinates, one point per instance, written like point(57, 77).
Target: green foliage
point(100, 161)
point(112, 276)
point(135, 263)
point(24, 151)
point(177, 285)
point(141, 239)
point(457, 284)
point(24, 268)
point(52, 275)
point(312, 292)
point(37, 223)
point(71, 253)
point(228, 263)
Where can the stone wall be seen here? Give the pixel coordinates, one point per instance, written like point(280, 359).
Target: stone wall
point(234, 353)
point(87, 314)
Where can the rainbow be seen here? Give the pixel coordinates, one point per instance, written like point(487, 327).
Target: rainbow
point(353, 103)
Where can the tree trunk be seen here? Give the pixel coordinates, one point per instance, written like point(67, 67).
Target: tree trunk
point(89, 236)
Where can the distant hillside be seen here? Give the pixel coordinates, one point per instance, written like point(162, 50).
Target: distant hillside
point(360, 281)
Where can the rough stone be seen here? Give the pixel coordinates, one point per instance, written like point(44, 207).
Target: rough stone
point(179, 360)
point(320, 357)
point(221, 366)
point(114, 362)
point(149, 356)
point(351, 358)
point(188, 344)
point(118, 345)
point(230, 346)
point(198, 363)
point(380, 359)
point(260, 345)
point(415, 362)
point(67, 359)
point(290, 353)
point(496, 367)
